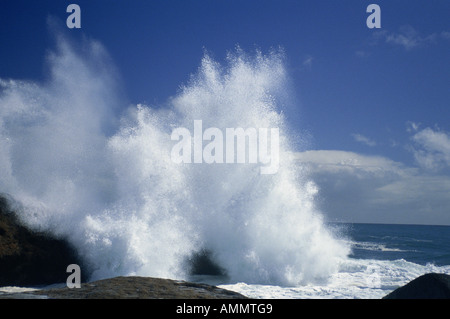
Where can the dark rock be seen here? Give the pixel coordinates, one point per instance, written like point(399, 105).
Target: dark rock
point(428, 286)
point(29, 258)
point(131, 288)
point(202, 263)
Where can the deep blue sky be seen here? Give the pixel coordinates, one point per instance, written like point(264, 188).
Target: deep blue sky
point(354, 84)
point(356, 89)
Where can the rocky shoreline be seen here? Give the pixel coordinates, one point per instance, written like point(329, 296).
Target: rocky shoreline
point(132, 287)
point(428, 286)
point(29, 258)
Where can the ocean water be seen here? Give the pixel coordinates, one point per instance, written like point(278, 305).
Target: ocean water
point(383, 257)
point(79, 164)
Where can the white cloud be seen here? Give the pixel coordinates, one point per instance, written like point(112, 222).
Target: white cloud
point(363, 139)
point(361, 188)
point(431, 149)
point(409, 38)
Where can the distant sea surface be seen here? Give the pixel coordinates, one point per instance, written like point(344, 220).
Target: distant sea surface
point(420, 244)
point(384, 257)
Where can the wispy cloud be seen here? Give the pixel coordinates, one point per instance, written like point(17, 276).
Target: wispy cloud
point(408, 38)
point(363, 139)
point(412, 127)
point(307, 62)
point(362, 53)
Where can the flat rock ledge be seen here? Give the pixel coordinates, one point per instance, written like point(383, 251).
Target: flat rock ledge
point(131, 288)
